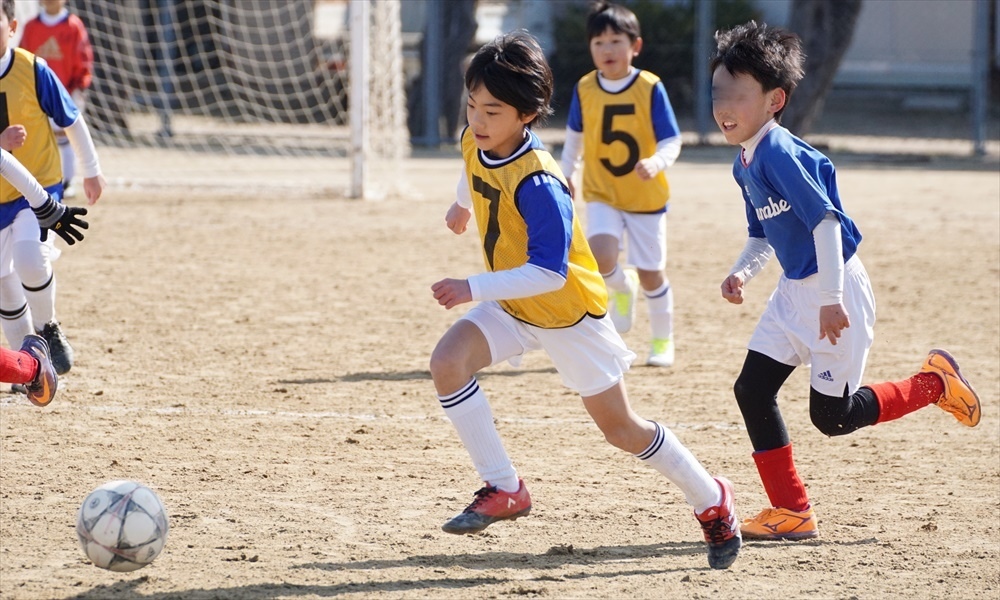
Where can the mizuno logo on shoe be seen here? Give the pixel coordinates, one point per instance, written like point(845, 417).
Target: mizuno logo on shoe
point(826, 376)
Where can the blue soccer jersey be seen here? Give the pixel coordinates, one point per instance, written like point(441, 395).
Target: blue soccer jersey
point(788, 187)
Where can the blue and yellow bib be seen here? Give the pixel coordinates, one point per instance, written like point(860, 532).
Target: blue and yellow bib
point(504, 234)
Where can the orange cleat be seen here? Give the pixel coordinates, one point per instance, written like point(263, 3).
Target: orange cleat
point(491, 505)
point(780, 524)
point(958, 398)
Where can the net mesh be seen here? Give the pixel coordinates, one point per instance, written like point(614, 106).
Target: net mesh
point(241, 79)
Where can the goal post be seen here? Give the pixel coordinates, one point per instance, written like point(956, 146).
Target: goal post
point(251, 83)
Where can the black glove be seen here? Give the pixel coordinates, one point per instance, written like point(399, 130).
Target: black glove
point(61, 219)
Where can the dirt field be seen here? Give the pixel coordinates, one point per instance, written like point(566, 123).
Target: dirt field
point(260, 359)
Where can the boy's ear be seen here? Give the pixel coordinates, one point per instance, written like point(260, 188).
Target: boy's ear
point(637, 46)
point(778, 99)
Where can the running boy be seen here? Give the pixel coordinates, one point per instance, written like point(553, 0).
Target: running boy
point(60, 37)
point(31, 366)
point(40, 97)
point(823, 310)
point(621, 121)
point(541, 290)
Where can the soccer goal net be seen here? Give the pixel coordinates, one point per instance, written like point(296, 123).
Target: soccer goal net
point(252, 81)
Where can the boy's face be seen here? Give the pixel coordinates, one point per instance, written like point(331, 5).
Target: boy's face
point(741, 106)
point(52, 7)
point(497, 127)
point(7, 29)
point(613, 52)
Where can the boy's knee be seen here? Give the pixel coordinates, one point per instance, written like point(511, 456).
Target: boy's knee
point(827, 424)
point(829, 414)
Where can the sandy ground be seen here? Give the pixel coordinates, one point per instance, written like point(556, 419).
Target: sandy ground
point(260, 359)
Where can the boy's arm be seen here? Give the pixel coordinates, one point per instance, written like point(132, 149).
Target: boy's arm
point(83, 145)
point(50, 214)
point(460, 212)
point(18, 175)
point(833, 316)
point(665, 156)
point(573, 146)
point(668, 135)
point(548, 213)
point(756, 253)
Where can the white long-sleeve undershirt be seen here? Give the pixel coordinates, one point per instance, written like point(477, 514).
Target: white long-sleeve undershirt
point(829, 259)
point(756, 253)
point(13, 171)
point(521, 282)
point(83, 145)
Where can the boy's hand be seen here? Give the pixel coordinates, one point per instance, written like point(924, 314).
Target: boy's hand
point(93, 187)
point(732, 289)
point(572, 188)
point(457, 218)
point(451, 292)
point(646, 169)
point(62, 219)
point(13, 137)
point(833, 319)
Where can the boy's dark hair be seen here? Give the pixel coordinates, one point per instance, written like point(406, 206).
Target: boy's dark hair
point(8, 9)
point(617, 18)
point(771, 55)
point(514, 70)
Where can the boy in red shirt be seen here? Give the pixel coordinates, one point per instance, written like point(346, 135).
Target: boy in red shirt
point(60, 37)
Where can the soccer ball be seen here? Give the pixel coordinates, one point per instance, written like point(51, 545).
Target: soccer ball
point(122, 526)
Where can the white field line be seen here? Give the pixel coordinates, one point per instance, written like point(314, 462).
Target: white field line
point(7, 405)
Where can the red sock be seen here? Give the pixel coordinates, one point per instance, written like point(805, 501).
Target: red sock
point(781, 481)
point(17, 367)
point(899, 398)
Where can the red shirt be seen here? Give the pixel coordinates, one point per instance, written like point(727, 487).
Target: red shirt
point(65, 47)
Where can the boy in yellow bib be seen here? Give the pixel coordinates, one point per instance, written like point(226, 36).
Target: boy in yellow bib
point(622, 124)
point(541, 291)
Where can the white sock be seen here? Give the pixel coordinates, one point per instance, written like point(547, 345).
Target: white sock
point(661, 310)
point(470, 412)
point(33, 263)
point(42, 303)
point(16, 327)
point(667, 455)
point(615, 280)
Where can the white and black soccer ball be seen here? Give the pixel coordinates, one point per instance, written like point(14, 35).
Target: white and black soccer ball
point(122, 526)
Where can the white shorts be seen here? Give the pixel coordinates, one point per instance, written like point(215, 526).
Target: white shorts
point(589, 356)
point(24, 227)
point(788, 330)
point(647, 234)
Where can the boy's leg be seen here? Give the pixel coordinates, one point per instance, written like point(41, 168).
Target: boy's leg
point(605, 231)
point(33, 265)
point(940, 382)
point(462, 352)
point(661, 319)
point(658, 447)
point(17, 366)
point(647, 250)
point(790, 515)
point(15, 316)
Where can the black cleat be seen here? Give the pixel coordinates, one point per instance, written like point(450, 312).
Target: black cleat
point(59, 349)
